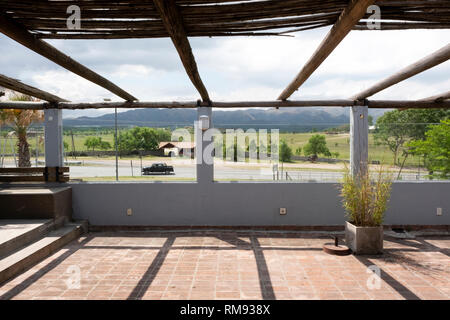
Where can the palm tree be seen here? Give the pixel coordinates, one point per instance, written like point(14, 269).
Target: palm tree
point(19, 121)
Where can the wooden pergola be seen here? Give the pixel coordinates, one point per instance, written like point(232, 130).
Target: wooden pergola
point(30, 22)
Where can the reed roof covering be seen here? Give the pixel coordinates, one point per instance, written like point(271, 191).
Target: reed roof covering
point(103, 19)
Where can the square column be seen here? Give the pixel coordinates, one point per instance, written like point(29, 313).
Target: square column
point(205, 171)
point(54, 156)
point(359, 139)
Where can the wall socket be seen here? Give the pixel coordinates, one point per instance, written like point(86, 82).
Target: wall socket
point(283, 211)
point(439, 211)
point(129, 212)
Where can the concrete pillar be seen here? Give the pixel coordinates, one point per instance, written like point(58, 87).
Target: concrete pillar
point(205, 172)
point(359, 139)
point(53, 138)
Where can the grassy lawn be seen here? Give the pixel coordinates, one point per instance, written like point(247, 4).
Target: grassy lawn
point(341, 143)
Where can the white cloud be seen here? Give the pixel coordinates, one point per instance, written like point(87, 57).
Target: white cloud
point(130, 70)
point(258, 93)
point(70, 86)
point(238, 68)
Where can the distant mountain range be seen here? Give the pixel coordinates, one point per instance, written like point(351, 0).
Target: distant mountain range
point(285, 119)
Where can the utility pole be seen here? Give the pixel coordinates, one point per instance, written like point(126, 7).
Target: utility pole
point(117, 148)
point(37, 146)
point(73, 146)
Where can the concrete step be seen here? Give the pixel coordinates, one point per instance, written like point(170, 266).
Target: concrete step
point(17, 233)
point(31, 254)
point(35, 202)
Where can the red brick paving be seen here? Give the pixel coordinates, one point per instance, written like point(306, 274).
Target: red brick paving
point(233, 265)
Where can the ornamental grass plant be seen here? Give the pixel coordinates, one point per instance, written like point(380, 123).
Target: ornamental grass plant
point(365, 196)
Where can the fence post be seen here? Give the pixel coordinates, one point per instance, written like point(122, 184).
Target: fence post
point(359, 139)
point(132, 173)
point(53, 138)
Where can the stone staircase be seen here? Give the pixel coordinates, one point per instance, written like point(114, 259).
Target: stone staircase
point(23, 243)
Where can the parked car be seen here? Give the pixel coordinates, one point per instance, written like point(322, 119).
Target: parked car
point(157, 168)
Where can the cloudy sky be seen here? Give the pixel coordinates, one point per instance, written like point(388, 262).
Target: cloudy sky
point(239, 68)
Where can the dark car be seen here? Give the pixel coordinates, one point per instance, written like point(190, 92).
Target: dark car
point(157, 168)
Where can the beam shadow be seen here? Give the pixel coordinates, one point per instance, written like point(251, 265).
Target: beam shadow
point(423, 245)
point(150, 275)
point(234, 241)
point(36, 276)
point(265, 283)
point(397, 286)
point(263, 271)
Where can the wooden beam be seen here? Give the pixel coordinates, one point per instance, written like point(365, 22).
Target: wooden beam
point(426, 63)
point(379, 104)
point(173, 22)
point(398, 104)
point(438, 97)
point(346, 21)
point(18, 86)
point(20, 34)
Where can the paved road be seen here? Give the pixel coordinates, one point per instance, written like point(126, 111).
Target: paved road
point(222, 173)
point(104, 168)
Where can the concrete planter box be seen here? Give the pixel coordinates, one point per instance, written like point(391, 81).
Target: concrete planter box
point(364, 240)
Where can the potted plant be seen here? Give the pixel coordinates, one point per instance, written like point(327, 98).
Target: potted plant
point(364, 198)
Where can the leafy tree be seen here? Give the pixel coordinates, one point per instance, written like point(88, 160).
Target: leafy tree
point(298, 151)
point(142, 138)
point(392, 131)
point(285, 152)
point(231, 153)
point(316, 145)
point(252, 145)
point(104, 145)
point(92, 142)
point(435, 149)
point(66, 146)
point(397, 127)
point(420, 119)
point(20, 121)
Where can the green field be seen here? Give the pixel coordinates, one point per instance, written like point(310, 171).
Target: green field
point(341, 143)
point(335, 142)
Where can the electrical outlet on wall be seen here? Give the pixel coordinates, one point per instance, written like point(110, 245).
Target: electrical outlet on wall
point(283, 211)
point(129, 212)
point(439, 211)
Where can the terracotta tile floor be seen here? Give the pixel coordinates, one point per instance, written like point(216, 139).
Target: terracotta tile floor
point(233, 265)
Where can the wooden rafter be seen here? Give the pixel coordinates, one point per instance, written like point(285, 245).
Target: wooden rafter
point(426, 63)
point(18, 86)
point(20, 34)
point(173, 22)
point(439, 97)
point(382, 104)
point(346, 21)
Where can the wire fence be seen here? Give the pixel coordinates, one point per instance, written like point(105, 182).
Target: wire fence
point(316, 176)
